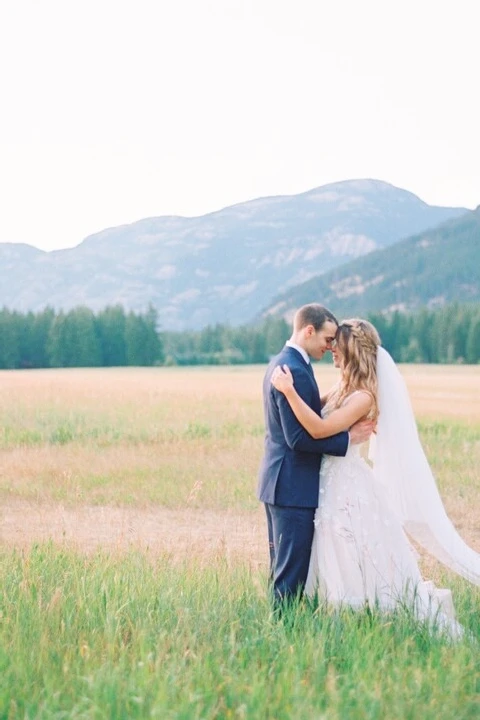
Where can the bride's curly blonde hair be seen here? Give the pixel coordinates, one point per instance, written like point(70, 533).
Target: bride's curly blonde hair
point(358, 340)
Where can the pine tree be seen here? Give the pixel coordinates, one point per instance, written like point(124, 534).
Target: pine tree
point(111, 331)
point(473, 341)
point(9, 340)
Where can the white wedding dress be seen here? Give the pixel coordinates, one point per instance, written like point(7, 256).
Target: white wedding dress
point(361, 554)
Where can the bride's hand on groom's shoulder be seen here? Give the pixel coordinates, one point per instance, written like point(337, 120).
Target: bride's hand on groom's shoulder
point(282, 378)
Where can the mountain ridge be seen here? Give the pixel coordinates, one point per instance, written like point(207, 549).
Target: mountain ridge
point(430, 269)
point(219, 267)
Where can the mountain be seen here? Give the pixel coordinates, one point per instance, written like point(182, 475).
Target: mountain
point(431, 269)
point(221, 267)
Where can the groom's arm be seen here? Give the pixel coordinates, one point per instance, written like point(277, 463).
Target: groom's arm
point(296, 436)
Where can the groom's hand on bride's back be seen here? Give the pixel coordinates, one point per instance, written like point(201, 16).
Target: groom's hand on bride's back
point(361, 431)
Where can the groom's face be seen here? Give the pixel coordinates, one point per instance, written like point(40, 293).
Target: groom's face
point(319, 341)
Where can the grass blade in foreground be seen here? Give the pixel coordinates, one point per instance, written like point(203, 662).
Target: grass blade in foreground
point(123, 637)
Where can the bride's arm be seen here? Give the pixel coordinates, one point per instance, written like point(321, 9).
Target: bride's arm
point(343, 418)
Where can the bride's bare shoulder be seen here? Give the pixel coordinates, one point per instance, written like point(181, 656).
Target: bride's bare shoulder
point(360, 397)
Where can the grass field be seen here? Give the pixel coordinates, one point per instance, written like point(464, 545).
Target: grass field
point(134, 557)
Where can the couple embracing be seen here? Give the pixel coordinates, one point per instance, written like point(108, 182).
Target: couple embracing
point(338, 526)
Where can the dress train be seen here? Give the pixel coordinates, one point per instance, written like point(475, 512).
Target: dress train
point(361, 553)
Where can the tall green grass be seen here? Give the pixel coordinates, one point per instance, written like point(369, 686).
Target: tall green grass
point(129, 637)
point(137, 636)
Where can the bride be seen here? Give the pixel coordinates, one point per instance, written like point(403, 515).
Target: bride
point(361, 553)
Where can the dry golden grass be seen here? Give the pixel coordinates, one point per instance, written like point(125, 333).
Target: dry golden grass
point(440, 391)
point(167, 458)
point(164, 462)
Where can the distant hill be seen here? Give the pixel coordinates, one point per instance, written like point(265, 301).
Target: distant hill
point(431, 269)
point(221, 267)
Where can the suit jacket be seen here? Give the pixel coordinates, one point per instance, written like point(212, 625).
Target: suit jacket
point(290, 470)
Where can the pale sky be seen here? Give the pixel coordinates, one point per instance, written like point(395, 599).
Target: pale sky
point(116, 110)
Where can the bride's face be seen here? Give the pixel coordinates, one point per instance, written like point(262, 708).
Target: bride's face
point(337, 355)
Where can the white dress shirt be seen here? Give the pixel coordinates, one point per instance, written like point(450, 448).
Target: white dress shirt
point(302, 352)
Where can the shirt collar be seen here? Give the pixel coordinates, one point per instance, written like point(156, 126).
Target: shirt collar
point(299, 349)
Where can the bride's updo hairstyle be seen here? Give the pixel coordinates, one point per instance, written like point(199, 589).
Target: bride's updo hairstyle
point(358, 340)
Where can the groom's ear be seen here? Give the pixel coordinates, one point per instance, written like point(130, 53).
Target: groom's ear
point(309, 331)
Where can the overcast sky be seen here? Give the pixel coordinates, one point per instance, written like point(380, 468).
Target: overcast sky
point(115, 110)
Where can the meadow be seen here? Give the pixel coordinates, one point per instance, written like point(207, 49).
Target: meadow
point(134, 558)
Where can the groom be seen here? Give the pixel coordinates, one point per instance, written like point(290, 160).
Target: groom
point(289, 474)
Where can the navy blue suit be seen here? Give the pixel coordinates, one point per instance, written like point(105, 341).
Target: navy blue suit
point(290, 473)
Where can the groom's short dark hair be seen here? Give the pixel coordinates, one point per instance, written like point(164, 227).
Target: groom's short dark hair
point(313, 314)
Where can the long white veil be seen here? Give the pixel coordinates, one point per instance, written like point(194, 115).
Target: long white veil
point(399, 463)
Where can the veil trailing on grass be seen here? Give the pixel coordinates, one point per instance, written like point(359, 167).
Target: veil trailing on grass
point(400, 465)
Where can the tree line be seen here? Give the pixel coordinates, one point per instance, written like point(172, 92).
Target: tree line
point(79, 338)
point(113, 337)
point(450, 334)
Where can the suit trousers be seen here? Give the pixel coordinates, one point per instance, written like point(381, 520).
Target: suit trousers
point(290, 536)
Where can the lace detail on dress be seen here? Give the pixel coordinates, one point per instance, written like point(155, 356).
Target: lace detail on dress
point(360, 552)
